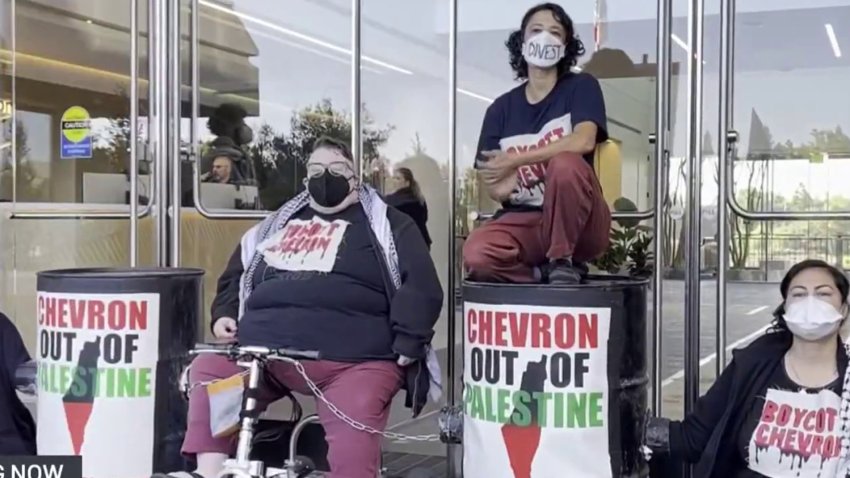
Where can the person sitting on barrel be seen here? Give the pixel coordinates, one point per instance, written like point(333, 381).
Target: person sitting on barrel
point(535, 156)
point(781, 408)
point(334, 270)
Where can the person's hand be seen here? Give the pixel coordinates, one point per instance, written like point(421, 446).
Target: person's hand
point(499, 166)
point(646, 452)
point(404, 361)
point(225, 328)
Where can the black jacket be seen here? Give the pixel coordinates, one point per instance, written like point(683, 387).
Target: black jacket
point(414, 307)
point(17, 427)
point(405, 201)
point(707, 437)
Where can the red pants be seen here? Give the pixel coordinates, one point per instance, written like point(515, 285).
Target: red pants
point(363, 391)
point(575, 223)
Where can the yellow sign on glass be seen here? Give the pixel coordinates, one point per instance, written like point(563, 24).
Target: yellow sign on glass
point(75, 138)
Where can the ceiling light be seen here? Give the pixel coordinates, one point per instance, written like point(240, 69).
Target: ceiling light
point(474, 95)
point(324, 44)
point(301, 36)
point(836, 50)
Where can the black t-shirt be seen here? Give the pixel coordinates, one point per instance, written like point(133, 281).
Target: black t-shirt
point(791, 431)
point(512, 124)
point(320, 287)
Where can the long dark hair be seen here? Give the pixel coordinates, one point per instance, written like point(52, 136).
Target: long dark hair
point(407, 174)
point(574, 46)
point(841, 283)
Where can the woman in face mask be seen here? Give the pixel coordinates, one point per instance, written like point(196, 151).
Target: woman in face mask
point(337, 271)
point(535, 156)
point(781, 407)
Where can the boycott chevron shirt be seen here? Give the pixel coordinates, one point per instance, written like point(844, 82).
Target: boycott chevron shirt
point(513, 124)
point(792, 431)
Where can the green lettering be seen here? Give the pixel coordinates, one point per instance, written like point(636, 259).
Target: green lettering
point(542, 407)
point(126, 382)
point(522, 414)
point(577, 410)
point(489, 414)
point(477, 404)
point(559, 410)
point(64, 377)
point(503, 398)
point(596, 419)
point(78, 388)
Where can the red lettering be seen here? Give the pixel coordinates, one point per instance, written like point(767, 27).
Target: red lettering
point(486, 327)
point(139, 315)
point(471, 324)
point(501, 328)
point(588, 331)
point(559, 132)
point(117, 315)
point(761, 434)
point(331, 228)
point(324, 243)
point(519, 328)
point(805, 442)
point(539, 170)
point(78, 313)
point(830, 447)
point(63, 311)
point(776, 436)
point(51, 312)
point(798, 416)
point(817, 445)
point(41, 310)
point(565, 325)
point(525, 176)
point(831, 414)
point(540, 326)
point(768, 413)
point(788, 443)
point(784, 415)
point(511, 150)
point(96, 309)
point(809, 421)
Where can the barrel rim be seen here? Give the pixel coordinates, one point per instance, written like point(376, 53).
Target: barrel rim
point(120, 272)
point(594, 281)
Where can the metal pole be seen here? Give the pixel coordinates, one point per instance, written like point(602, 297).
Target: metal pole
point(174, 118)
point(356, 140)
point(723, 156)
point(159, 136)
point(451, 356)
point(134, 133)
point(662, 95)
point(692, 265)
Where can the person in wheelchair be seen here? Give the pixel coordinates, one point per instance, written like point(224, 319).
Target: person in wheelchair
point(781, 408)
point(336, 271)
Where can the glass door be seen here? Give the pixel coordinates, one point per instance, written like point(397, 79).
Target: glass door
point(74, 144)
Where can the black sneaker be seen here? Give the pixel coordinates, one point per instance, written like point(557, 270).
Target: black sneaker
point(562, 272)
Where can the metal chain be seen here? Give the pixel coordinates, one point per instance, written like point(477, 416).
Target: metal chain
point(354, 423)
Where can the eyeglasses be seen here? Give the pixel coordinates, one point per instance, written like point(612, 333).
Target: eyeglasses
point(338, 168)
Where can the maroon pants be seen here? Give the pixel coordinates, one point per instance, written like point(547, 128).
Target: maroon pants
point(574, 223)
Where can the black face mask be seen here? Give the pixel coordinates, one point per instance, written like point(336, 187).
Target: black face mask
point(328, 190)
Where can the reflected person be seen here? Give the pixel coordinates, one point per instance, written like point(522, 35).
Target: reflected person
point(780, 408)
point(408, 199)
point(535, 156)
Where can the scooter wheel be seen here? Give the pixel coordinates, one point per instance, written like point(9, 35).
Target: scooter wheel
point(304, 466)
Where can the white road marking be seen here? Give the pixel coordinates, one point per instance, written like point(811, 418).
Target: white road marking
point(709, 358)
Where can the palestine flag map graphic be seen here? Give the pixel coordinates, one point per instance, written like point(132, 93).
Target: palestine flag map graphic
point(78, 401)
point(522, 442)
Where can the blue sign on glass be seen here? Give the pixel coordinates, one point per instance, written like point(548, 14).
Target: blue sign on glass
point(75, 138)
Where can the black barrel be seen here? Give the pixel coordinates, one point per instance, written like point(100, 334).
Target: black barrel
point(555, 379)
point(112, 344)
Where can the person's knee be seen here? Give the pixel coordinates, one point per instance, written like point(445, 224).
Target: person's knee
point(568, 168)
point(476, 259)
point(210, 367)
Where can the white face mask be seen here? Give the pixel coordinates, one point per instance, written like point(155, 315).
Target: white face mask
point(812, 319)
point(543, 50)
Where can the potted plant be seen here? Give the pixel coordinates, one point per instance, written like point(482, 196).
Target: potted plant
point(629, 250)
